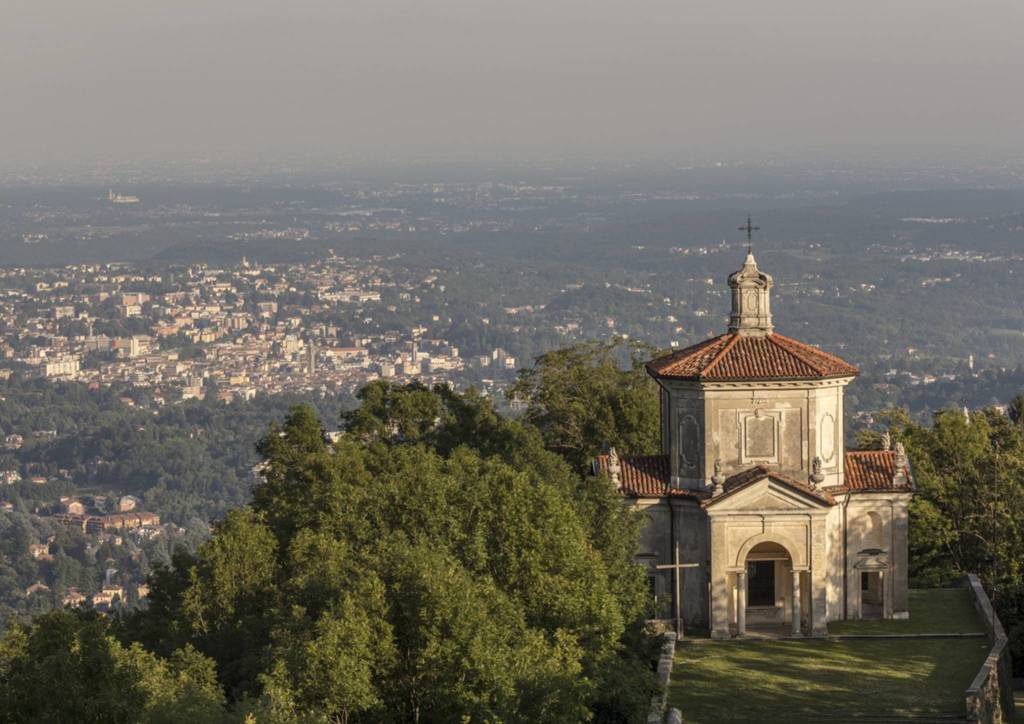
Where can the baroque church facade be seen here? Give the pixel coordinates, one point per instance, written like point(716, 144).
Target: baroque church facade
point(755, 505)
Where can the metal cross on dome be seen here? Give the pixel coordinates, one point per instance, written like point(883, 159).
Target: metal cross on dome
point(750, 229)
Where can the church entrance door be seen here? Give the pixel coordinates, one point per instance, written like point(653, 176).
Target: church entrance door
point(768, 592)
point(872, 595)
point(761, 583)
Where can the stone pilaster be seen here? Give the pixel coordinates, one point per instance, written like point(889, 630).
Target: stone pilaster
point(818, 578)
point(899, 573)
point(721, 592)
point(796, 603)
point(741, 603)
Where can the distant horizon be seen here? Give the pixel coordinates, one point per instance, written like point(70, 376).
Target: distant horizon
point(301, 167)
point(403, 79)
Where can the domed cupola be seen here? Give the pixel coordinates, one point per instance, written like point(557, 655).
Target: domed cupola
point(751, 301)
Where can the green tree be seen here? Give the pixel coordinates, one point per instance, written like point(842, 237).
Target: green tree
point(390, 412)
point(466, 654)
point(338, 663)
point(459, 570)
point(69, 667)
point(584, 397)
point(968, 511)
point(232, 599)
point(1015, 409)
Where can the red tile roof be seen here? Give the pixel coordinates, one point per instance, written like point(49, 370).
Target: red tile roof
point(739, 481)
point(646, 476)
point(733, 356)
point(873, 470)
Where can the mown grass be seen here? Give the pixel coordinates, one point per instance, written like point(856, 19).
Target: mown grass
point(804, 680)
point(940, 610)
point(816, 680)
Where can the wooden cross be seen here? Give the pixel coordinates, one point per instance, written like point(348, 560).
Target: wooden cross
point(677, 567)
point(750, 229)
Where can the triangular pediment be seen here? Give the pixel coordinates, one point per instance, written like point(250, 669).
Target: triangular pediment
point(769, 492)
point(774, 500)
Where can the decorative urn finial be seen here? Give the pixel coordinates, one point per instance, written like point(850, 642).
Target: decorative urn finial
point(817, 476)
point(901, 464)
point(901, 460)
point(717, 479)
point(614, 467)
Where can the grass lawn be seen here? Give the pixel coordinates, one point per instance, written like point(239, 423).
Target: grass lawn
point(939, 610)
point(815, 679)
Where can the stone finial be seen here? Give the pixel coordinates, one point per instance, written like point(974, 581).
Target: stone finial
point(614, 467)
point(751, 309)
point(901, 460)
point(900, 463)
point(886, 440)
point(718, 479)
point(817, 476)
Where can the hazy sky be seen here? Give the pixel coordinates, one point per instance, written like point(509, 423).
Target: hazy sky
point(185, 78)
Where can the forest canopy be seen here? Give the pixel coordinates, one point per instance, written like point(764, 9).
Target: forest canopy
point(437, 561)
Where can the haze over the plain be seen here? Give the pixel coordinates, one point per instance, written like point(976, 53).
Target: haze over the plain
point(385, 78)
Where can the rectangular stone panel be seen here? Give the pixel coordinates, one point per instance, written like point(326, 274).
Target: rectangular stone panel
point(792, 440)
point(760, 437)
point(690, 443)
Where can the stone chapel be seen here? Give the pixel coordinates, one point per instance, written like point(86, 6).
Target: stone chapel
point(781, 529)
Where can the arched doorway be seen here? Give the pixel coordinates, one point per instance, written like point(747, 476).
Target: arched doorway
point(874, 599)
point(872, 594)
point(768, 589)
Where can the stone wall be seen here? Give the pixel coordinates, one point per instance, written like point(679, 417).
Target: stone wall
point(655, 548)
point(874, 522)
point(989, 699)
point(784, 424)
point(668, 652)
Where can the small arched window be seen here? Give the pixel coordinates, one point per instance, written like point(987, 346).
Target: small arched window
point(873, 530)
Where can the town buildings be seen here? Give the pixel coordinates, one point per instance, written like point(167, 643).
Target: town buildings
point(234, 332)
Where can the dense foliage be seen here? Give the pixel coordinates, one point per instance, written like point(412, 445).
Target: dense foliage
point(189, 462)
point(69, 667)
point(582, 399)
point(435, 564)
point(968, 513)
point(440, 562)
point(30, 585)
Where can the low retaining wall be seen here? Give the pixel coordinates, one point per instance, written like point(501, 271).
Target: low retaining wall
point(989, 698)
point(668, 652)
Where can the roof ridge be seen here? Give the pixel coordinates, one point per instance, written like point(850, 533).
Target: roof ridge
point(685, 352)
point(697, 346)
point(783, 346)
point(816, 350)
point(721, 353)
point(761, 472)
point(642, 457)
point(734, 356)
